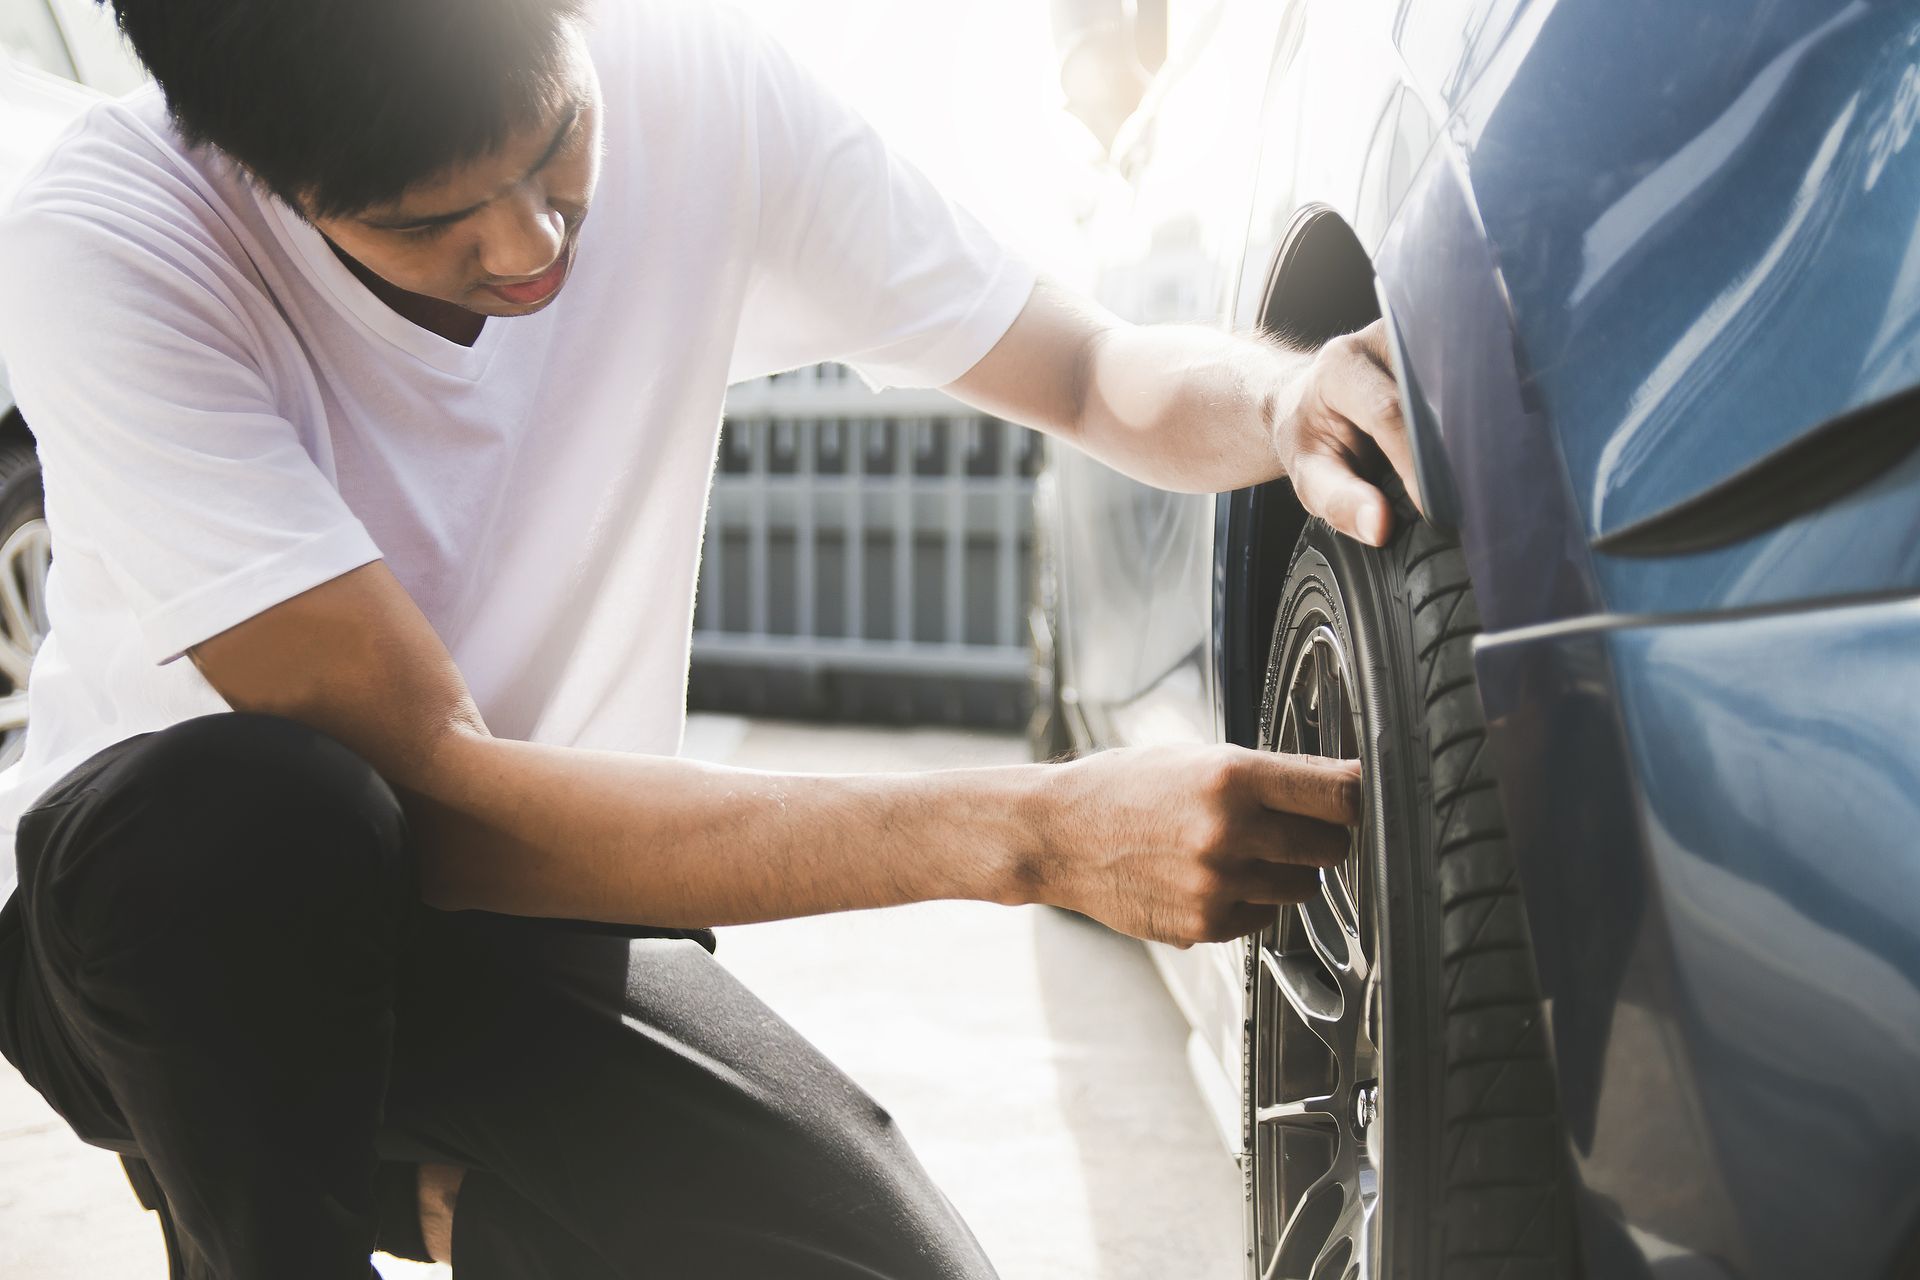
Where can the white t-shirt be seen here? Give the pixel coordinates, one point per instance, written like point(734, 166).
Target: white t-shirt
point(227, 417)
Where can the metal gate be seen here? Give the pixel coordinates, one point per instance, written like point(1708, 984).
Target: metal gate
point(866, 556)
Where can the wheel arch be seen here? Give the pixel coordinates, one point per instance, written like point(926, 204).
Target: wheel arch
point(1319, 285)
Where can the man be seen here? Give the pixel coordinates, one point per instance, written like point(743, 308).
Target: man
point(362, 899)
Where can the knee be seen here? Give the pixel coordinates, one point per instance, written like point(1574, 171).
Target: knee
point(245, 805)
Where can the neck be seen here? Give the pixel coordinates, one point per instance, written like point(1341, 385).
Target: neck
point(455, 324)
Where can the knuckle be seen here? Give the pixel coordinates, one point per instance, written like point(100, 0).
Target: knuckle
point(1222, 773)
point(1211, 832)
point(1204, 926)
point(1201, 885)
point(1328, 845)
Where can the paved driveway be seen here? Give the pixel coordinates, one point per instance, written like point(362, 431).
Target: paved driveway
point(1033, 1059)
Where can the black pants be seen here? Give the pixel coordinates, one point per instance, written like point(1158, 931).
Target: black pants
point(217, 960)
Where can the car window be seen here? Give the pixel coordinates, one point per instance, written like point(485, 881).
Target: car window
point(29, 34)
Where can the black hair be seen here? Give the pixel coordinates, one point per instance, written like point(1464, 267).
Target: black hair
point(343, 104)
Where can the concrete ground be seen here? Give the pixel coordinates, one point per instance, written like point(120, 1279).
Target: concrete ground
point(1034, 1060)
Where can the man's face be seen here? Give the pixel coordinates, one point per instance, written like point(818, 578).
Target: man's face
point(495, 236)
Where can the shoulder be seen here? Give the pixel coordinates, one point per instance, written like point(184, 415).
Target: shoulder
point(692, 58)
point(120, 187)
point(123, 150)
point(118, 210)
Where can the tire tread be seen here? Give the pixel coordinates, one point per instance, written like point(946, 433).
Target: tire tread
point(1503, 1196)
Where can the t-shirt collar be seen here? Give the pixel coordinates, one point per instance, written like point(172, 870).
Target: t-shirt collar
point(311, 250)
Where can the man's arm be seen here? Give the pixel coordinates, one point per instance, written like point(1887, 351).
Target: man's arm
point(1199, 411)
point(1178, 844)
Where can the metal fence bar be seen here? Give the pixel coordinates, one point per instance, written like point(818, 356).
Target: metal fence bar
point(805, 517)
point(959, 438)
point(804, 457)
point(757, 527)
point(1007, 544)
point(856, 527)
point(710, 611)
point(789, 652)
point(906, 446)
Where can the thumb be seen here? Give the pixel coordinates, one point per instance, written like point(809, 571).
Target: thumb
point(1328, 487)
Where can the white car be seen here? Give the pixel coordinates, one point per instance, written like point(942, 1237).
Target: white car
point(57, 58)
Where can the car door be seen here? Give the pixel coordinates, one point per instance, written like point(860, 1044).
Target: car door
point(1136, 565)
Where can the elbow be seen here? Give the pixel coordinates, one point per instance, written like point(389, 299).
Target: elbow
point(444, 833)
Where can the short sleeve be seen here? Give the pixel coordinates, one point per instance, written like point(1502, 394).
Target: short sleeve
point(860, 258)
point(162, 452)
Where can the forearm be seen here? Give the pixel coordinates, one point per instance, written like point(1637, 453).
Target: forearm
point(1182, 844)
point(538, 830)
point(1188, 408)
point(1200, 411)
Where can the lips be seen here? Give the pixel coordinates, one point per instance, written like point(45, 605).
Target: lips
point(535, 290)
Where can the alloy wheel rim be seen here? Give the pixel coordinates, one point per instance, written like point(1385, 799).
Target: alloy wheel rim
point(1318, 1126)
point(24, 560)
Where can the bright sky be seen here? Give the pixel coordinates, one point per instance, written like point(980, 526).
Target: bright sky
point(968, 89)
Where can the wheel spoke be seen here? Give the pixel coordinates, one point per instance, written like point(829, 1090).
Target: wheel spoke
point(1339, 898)
point(1347, 1229)
point(1319, 1188)
point(18, 571)
point(1299, 981)
point(1366, 1243)
point(1333, 709)
point(23, 613)
point(36, 566)
point(1299, 714)
point(13, 711)
point(16, 633)
point(1315, 1110)
point(1329, 937)
point(15, 663)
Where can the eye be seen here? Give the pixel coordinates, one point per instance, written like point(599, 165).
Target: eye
point(427, 232)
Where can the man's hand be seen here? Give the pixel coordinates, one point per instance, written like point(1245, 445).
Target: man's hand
point(1346, 417)
point(1199, 411)
point(1194, 844)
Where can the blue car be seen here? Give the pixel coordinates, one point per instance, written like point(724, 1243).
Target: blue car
point(1622, 978)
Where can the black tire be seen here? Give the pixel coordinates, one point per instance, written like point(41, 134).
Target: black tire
point(20, 498)
point(1472, 1176)
point(21, 503)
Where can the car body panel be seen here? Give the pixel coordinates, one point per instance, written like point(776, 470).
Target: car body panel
point(1724, 888)
point(1737, 247)
point(1169, 254)
point(1631, 249)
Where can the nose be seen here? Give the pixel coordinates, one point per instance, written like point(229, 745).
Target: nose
point(523, 237)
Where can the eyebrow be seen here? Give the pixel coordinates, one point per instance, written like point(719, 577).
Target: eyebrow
point(440, 219)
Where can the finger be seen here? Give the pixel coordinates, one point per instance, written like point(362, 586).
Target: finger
point(1279, 884)
point(1367, 394)
point(1289, 838)
point(1311, 786)
point(1245, 919)
point(1327, 486)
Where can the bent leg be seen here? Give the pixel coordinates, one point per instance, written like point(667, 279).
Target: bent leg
point(211, 912)
point(635, 1097)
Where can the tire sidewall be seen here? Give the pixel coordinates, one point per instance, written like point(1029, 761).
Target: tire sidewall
point(1365, 589)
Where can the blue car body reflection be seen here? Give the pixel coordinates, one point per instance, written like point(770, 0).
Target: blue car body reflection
point(1654, 271)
